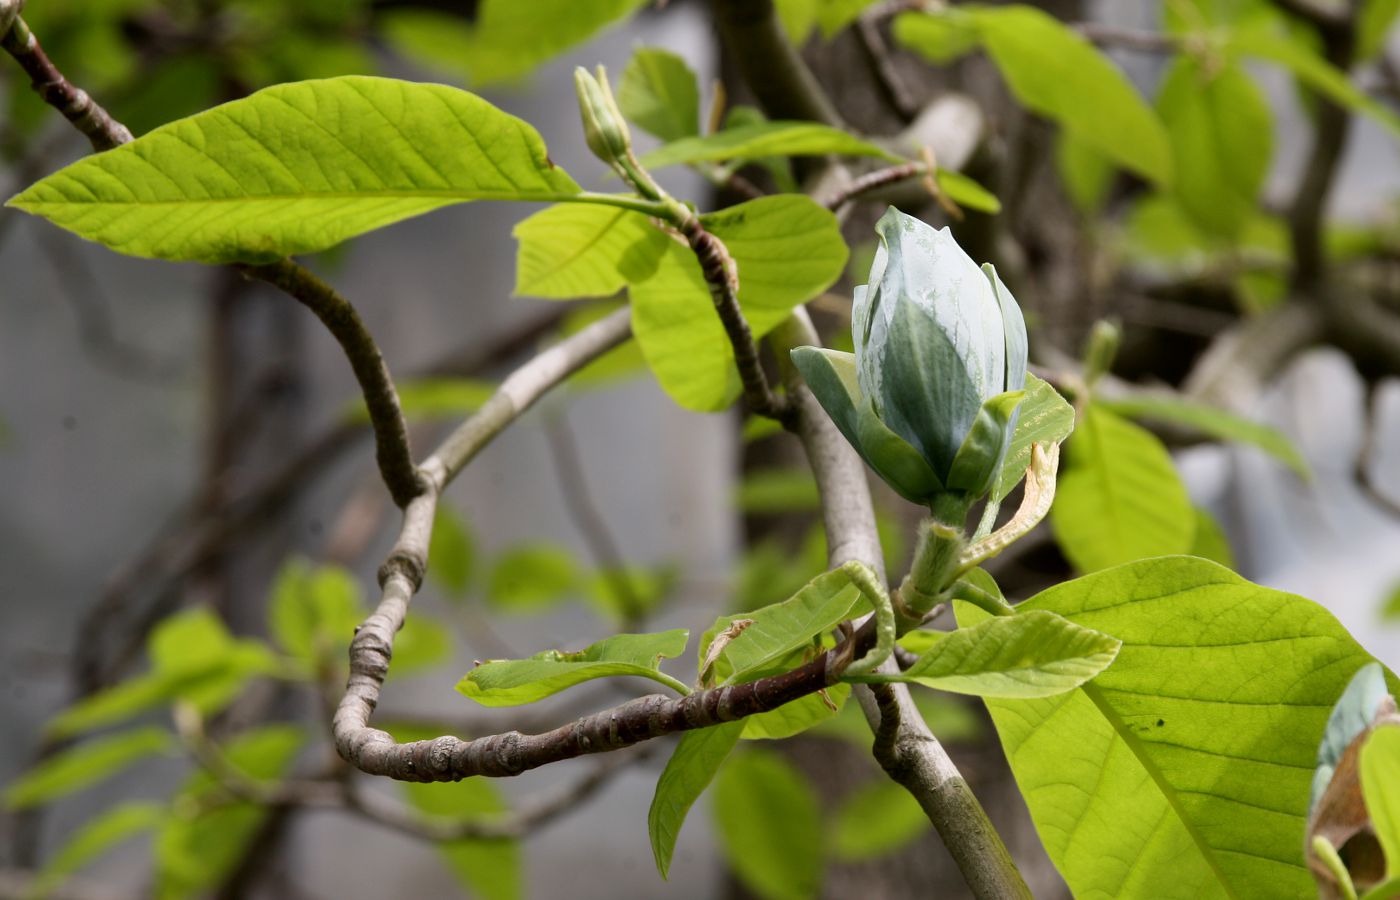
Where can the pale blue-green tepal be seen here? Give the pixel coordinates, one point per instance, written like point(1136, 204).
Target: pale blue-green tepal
point(929, 397)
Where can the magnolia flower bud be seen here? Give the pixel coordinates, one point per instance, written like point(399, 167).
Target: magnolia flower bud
point(604, 128)
point(929, 397)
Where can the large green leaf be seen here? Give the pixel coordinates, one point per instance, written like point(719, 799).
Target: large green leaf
point(94, 838)
point(490, 869)
point(658, 92)
point(1183, 770)
point(1222, 137)
point(797, 716)
point(206, 835)
point(1044, 417)
point(769, 826)
point(297, 168)
point(688, 772)
point(1210, 541)
point(775, 631)
point(1055, 72)
point(85, 764)
point(508, 39)
point(532, 577)
point(1031, 654)
point(763, 139)
point(575, 250)
point(1212, 421)
point(1120, 498)
point(511, 682)
point(787, 250)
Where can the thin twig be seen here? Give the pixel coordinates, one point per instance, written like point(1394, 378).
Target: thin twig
point(391, 447)
point(1104, 34)
point(878, 51)
point(872, 181)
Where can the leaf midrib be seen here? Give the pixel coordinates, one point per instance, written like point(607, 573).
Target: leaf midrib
point(462, 195)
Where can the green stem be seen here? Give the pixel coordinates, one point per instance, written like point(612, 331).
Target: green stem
point(657, 208)
point(941, 540)
point(679, 687)
point(869, 584)
point(985, 600)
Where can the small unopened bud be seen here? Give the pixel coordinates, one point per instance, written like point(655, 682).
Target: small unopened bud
point(1101, 350)
point(603, 125)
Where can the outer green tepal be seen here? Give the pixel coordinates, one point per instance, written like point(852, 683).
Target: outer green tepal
point(929, 398)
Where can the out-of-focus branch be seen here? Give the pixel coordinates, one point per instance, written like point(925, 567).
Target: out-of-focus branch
point(771, 66)
point(1106, 35)
point(1365, 457)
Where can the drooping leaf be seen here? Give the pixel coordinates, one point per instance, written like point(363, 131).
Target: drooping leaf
point(507, 40)
point(491, 869)
point(1311, 69)
point(1119, 499)
point(512, 682)
point(793, 718)
point(1210, 541)
point(1380, 785)
point(688, 772)
point(762, 139)
point(201, 841)
point(1222, 139)
point(1183, 769)
point(1053, 71)
point(531, 577)
point(297, 168)
point(1044, 417)
point(85, 764)
point(94, 838)
point(1031, 654)
point(787, 250)
point(451, 552)
point(777, 630)
point(768, 825)
point(575, 250)
point(659, 93)
point(1212, 421)
point(780, 490)
point(878, 818)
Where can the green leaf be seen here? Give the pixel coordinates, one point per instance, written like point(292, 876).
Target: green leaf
point(1042, 418)
point(451, 552)
point(797, 716)
point(1222, 137)
point(508, 40)
point(1380, 785)
point(194, 658)
point(621, 363)
point(876, 819)
point(1182, 771)
point(965, 192)
point(947, 715)
point(314, 610)
point(426, 399)
point(1210, 541)
point(422, 644)
point(1120, 498)
point(92, 839)
point(1027, 655)
point(202, 840)
point(773, 491)
point(768, 825)
point(787, 250)
point(659, 93)
point(1311, 69)
point(1373, 25)
point(761, 139)
point(688, 772)
point(512, 682)
point(531, 577)
point(939, 39)
point(575, 250)
point(297, 168)
point(491, 869)
point(777, 630)
point(647, 588)
point(85, 764)
point(834, 15)
point(1053, 71)
point(1211, 421)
